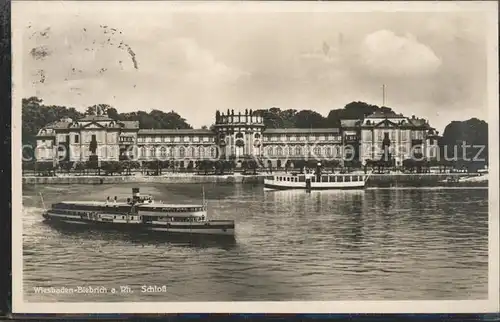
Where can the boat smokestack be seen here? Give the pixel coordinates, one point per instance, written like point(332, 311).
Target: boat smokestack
point(135, 194)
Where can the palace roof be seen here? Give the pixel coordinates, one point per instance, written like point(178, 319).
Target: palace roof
point(301, 131)
point(381, 114)
point(176, 131)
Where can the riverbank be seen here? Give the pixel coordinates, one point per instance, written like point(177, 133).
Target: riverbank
point(374, 180)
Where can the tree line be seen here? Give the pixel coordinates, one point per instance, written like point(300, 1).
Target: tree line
point(473, 132)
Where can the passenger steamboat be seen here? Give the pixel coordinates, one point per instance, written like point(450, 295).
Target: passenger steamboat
point(139, 214)
point(316, 181)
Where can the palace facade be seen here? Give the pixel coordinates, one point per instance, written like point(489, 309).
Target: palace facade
point(237, 136)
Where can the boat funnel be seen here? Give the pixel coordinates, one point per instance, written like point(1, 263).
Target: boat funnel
point(135, 194)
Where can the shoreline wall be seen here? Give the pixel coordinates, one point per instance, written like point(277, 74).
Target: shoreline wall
point(374, 180)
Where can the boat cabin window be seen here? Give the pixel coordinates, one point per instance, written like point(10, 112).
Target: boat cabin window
point(347, 178)
point(173, 209)
point(302, 179)
point(340, 179)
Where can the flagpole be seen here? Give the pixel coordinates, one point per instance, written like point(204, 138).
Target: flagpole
point(203, 195)
point(383, 94)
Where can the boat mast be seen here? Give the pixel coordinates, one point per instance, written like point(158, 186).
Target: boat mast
point(383, 95)
point(43, 202)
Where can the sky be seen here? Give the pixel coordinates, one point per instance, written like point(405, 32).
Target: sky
point(152, 55)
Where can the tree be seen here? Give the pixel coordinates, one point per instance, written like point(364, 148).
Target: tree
point(352, 111)
point(309, 119)
point(98, 109)
point(93, 145)
point(471, 134)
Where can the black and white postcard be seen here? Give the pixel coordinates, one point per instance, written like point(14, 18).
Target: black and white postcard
point(239, 157)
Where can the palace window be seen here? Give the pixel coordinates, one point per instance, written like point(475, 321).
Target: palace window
point(257, 136)
point(302, 138)
point(279, 151)
point(274, 138)
point(312, 137)
point(329, 152)
point(201, 151)
point(186, 138)
point(77, 138)
point(298, 150)
point(153, 152)
point(196, 139)
point(191, 152)
point(143, 151)
point(148, 139)
point(213, 152)
point(317, 151)
point(270, 151)
point(337, 151)
point(177, 139)
point(182, 152)
point(322, 138)
point(163, 152)
point(157, 139)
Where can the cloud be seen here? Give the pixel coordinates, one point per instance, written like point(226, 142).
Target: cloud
point(196, 64)
point(384, 53)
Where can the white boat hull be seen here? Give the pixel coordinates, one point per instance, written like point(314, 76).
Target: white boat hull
point(210, 227)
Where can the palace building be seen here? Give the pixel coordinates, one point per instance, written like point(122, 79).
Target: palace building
point(236, 136)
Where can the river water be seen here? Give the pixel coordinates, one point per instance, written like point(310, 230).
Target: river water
point(377, 244)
